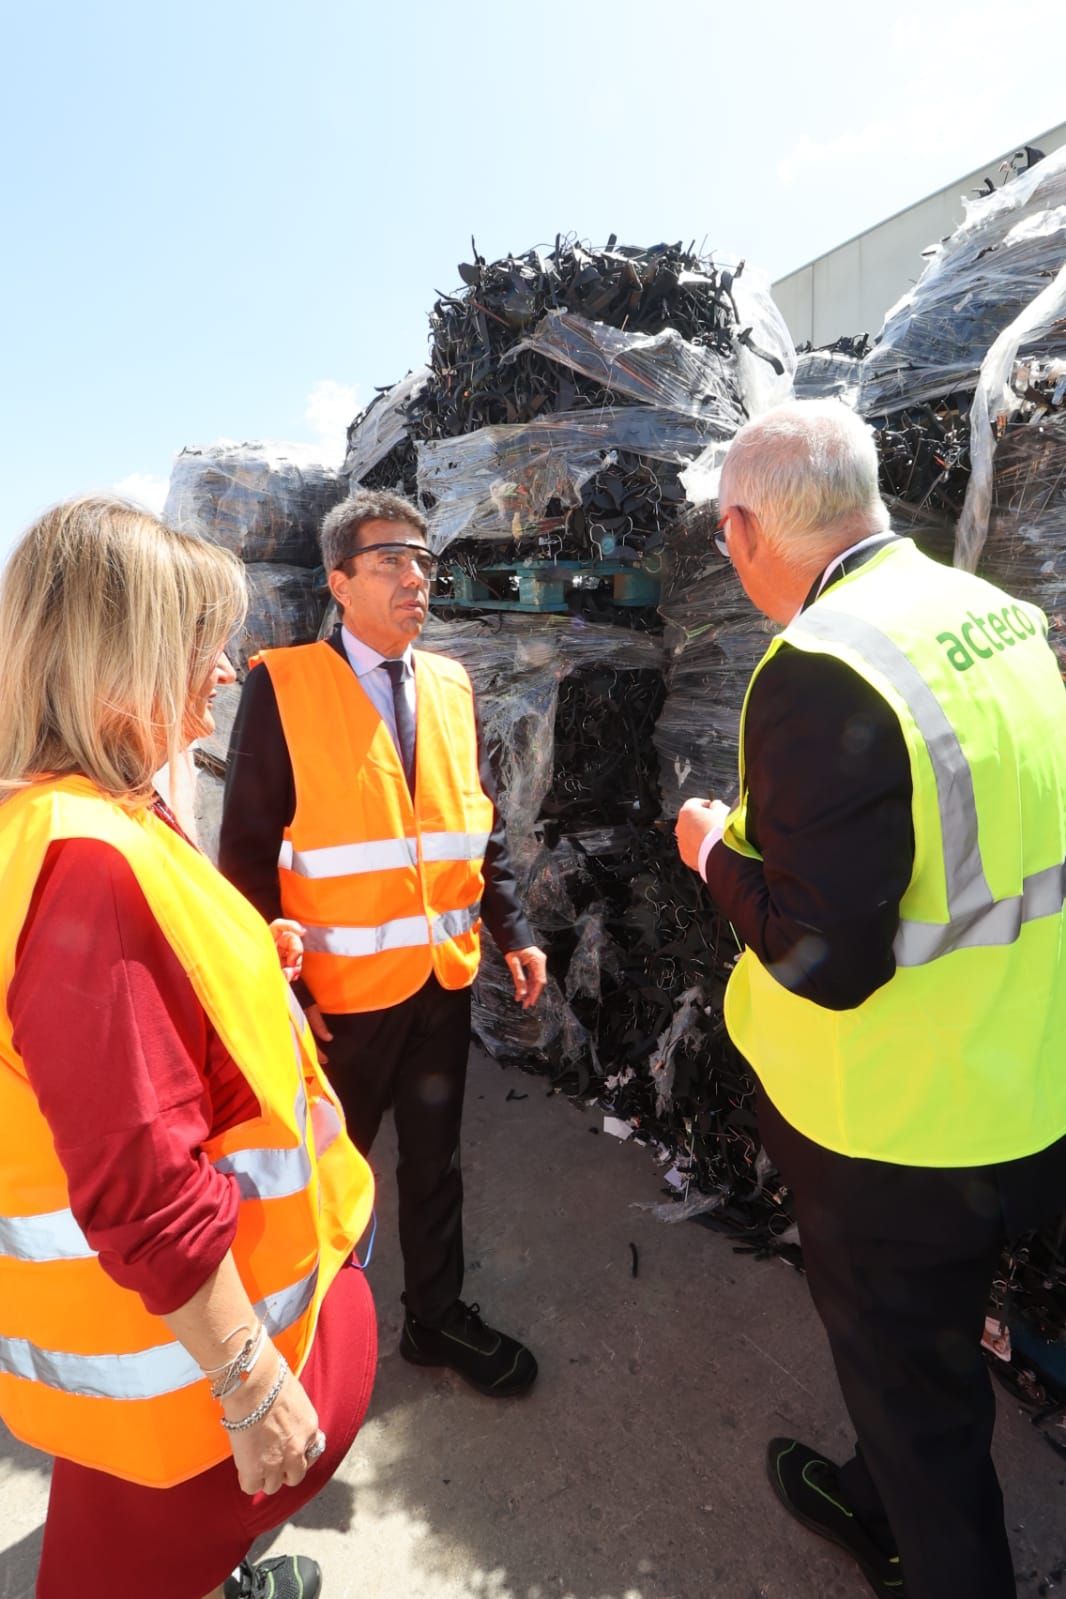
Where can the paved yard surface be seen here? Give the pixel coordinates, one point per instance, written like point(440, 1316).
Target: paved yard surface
point(635, 1468)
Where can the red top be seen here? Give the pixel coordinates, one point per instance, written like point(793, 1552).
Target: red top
point(129, 1074)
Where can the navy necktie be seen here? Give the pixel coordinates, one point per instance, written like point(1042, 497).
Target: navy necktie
point(405, 722)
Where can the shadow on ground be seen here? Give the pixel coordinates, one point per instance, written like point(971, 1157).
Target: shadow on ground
point(635, 1468)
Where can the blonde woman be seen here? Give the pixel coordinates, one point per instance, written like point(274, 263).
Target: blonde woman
point(177, 1194)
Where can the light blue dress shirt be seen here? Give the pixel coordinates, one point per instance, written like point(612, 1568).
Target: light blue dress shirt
point(366, 664)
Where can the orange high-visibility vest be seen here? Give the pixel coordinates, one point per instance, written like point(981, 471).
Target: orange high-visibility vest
point(85, 1371)
point(388, 888)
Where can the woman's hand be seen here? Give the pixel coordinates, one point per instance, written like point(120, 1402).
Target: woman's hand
point(272, 1451)
point(288, 941)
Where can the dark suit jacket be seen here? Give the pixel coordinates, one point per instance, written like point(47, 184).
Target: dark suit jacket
point(260, 801)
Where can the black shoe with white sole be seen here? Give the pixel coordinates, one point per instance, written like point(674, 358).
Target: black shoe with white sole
point(495, 1364)
point(807, 1485)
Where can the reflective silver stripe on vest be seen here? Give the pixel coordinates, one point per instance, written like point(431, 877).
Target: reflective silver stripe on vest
point(453, 924)
point(406, 932)
point(267, 1173)
point(260, 1173)
point(381, 855)
point(149, 1373)
point(55, 1236)
point(325, 1126)
point(1043, 894)
point(967, 888)
point(272, 1173)
point(350, 860)
point(975, 919)
point(454, 846)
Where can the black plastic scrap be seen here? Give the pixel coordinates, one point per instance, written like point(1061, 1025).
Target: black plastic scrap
point(566, 390)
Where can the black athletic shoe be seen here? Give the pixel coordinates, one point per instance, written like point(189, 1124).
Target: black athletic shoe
point(280, 1577)
point(806, 1484)
point(495, 1364)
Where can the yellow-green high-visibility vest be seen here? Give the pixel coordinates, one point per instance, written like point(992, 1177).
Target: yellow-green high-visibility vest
point(960, 1058)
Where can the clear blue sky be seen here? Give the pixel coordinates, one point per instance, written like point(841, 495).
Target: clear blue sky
point(230, 219)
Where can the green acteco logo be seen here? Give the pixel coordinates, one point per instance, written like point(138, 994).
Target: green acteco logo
point(999, 630)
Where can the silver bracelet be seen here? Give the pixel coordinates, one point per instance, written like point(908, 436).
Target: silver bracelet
point(239, 1370)
point(264, 1405)
point(213, 1371)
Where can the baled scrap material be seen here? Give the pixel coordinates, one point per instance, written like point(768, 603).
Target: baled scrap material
point(1011, 243)
point(710, 308)
point(521, 668)
point(832, 371)
point(285, 606)
point(713, 639)
point(380, 454)
point(565, 389)
point(924, 453)
point(1025, 547)
point(264, 502)
point(507, 482)
point(1022, 383)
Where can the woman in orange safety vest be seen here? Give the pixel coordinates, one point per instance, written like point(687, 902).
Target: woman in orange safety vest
point(178, 1196)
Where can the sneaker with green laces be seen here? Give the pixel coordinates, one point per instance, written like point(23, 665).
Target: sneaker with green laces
point(491, 1361)
point(807, 1485)
point(280, 1577)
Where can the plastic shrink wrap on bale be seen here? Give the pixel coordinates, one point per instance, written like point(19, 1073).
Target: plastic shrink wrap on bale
point(285, 606)
point(264, 502)
point(499, 482)
point(1011, 243)
point(1013, 525)
point(517, 666)
point(380, 454)
point(831, 372)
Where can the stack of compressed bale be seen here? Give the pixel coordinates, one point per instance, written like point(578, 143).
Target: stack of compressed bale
point(831, 371)
point(566, 391)
point(713, 640)
point(917, 383)
point(265, 503)
point(380, 452)
point(1013, 524)
point(563, 745)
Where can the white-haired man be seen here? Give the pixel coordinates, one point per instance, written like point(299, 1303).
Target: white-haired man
point(894, 867)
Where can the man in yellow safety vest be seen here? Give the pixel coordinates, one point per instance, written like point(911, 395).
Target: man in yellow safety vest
point(894, 867)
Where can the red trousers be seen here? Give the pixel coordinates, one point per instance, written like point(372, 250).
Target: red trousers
point(106, 1537)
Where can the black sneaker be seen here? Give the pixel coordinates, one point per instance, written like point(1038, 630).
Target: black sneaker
point(492, 1362)
point(280, 1577)
point(807, 1486)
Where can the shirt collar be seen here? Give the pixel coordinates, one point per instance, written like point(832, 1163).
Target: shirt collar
point(834, 570)
point(363, 659)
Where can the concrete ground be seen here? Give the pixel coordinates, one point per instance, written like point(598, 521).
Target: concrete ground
point(635, 1468)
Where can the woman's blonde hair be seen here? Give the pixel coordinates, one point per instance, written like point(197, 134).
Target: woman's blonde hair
point(110, 624)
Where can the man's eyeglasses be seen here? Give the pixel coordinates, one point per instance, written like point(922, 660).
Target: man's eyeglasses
point(719, 537)
point(392, 558)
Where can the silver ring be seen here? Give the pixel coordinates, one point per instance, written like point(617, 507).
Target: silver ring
point(316, 1447)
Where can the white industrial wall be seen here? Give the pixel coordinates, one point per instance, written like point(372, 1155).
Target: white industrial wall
point(849, 289)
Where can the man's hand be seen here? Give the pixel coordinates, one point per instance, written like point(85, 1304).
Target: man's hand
point(695, 819)
point(529, 968)
point(317, 1023)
